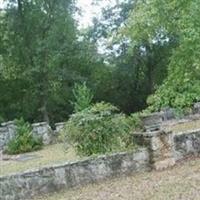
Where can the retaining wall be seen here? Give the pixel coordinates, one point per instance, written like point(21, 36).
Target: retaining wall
point(160, 150)
point(166, 147)
point(153, 121)
point(41, 129)
point(46, 180)
point(186, 144)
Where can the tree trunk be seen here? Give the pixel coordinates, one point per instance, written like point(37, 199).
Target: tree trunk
point(150, 68)
point(45, 111)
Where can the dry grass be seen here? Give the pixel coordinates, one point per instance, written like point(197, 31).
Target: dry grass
point(180, 183)
point(47, 156)
point(185, 126)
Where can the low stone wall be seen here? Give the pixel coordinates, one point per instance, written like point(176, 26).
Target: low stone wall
point(7, 132)
point(153, 121)
point(50, 179)
point(160, 146)
point(59, 127)
point(186, 144)
point(41, 129)
point(165, 148)
point(160, 150)
point(44, 131)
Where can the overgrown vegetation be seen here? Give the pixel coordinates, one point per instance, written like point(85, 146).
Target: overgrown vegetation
point(161, 21)
point(135, 122)
point(98, 129)
point(24, 141)
point(43, 54)
point(83, 97)
point(149, 58)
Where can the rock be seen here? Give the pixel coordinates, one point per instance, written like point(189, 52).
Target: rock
point(51, 179)
point(7, 132)
point(168, 114)
point(196, 108)
point(59, 127)
point(44, 131)
point(187, 143)
point(153, 121)
point(161, 148)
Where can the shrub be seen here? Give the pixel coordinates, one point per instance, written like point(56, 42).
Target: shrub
point(83, 97)
point(98, 129)
point(135, 121)
point(24, 141)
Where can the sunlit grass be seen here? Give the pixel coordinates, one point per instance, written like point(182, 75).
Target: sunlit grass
point(52, 154)
point(181, 127)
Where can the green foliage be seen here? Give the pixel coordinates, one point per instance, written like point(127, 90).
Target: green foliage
point(41, 58)
point(178, 96)
point(135, 121)
point(43, 55)
point(98, 129)
point(83, 97)
point(161, 20)
point(24, 141)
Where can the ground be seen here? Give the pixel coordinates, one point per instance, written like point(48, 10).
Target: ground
point(181, 182)
point(52, 154)
point(180, 127)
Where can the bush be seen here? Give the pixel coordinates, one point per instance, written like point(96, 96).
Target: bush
point(97, 130)
point(83, 97)
point(24, 141)
point(135, 121)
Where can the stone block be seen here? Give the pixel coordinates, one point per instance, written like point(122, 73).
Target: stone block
point(25, 185)
point(7, 132)
point(161, 147)
point(59, 127)
point(187, 143)
point(196, 108)
point(168, 114)
point(44, 131)
point(153, 121)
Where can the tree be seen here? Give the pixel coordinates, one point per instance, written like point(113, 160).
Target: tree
point(159, 21)
point(83, 97)
point(42, 57)
point(135, 71)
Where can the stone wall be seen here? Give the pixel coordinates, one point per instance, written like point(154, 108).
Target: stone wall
point(50, 179)
point(59, 127)
point(160, 145)
point(153, 121)
point(42, 129)
point(165, 148)
point(187, 144)
point(157, 150)
point(7, 132)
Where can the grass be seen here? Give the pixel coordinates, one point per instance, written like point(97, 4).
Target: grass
point(55, 154)
point(180, 182)
point(52, 154)
point(185, 126)
point(49, 155)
